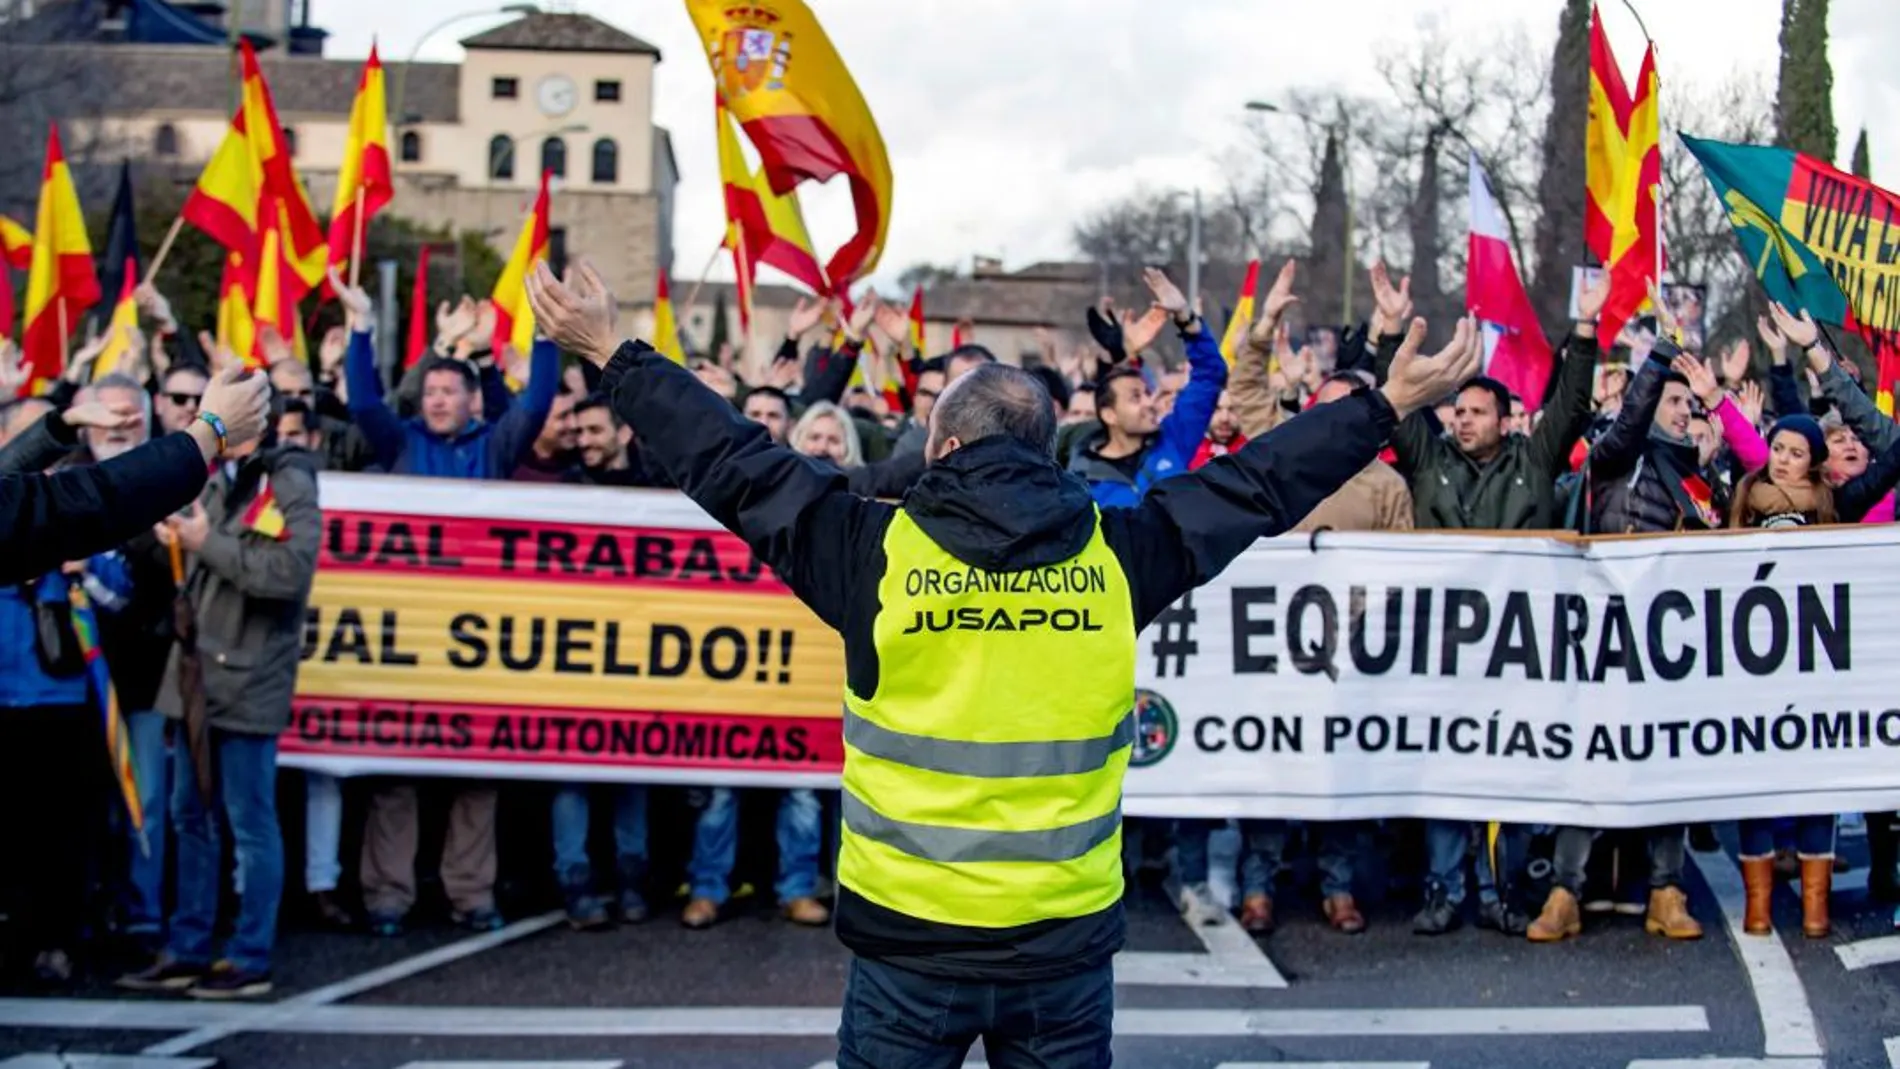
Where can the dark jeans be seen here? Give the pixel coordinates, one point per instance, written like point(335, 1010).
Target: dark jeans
point(52, 794)
point(896, 1019)
point(1573, 854)
point(1813, 837)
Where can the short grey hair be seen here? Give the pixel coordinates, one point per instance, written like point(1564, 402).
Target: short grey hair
point(997, 400)
point(119, 380)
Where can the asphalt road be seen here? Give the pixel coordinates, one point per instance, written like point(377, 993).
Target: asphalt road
point(756, 991)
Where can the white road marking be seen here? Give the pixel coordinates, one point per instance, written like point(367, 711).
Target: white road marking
point(369, 981)
point(1787, 1021)
point(1233, 959)
point(1324, 1065)
point(1729, 1063)
point(814, 1021)
point(1893, 1053)
point(73, 1060)
point(511, 1065)
point(1867, 953)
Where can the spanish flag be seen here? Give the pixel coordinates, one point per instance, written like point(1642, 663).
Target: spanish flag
point(125, 314)
point(666, 330)
point(262, 516)
point(917, 321)
point(363, 182)
point(1622, 172)
point(769, 227)
point(16, 251)
point(777, 70)
point(1242, 320)
point(60, 283)
point(514, 319)
point(274, 292)
point(253, 161)
point(237, 331)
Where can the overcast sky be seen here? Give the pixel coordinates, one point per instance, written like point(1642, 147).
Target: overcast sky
point(1008, 120)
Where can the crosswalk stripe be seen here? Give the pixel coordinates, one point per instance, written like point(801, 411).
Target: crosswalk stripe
point(1324, 1065)
point(75, 1060)
point(1893, 1053)
point(1787, 1020)
point(1728, 1063)
point(513, 1065)
point(1867, 953)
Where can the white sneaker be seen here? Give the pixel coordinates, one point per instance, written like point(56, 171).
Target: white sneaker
point(1198, 907)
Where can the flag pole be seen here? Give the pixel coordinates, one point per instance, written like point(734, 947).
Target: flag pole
point(693, 297)
point(59, 306)
point(747, 298)
point(356, 240)
point(164, 249)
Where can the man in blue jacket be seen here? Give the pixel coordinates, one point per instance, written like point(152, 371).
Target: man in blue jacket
point(1135, 449)
point(447, 440)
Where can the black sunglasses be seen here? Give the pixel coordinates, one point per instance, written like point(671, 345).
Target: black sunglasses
point(182, 399)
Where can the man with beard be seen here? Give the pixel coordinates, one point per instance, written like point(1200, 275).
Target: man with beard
point(608, 453)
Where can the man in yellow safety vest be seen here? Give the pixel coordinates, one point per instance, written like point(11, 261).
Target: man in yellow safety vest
point(989, 628)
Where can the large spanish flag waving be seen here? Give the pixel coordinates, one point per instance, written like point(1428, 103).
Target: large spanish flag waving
point(1622, 170)
point(1603, 141)
point(514, 319)
point(16, 251)
point(60, 282)
point(779, 74)
point(764, 226)
point(363, 183)
point(251, 162)
point(1241, 321)
point(1820, 240)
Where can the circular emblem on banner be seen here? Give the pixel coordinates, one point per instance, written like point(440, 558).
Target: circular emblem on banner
point(1156, 728)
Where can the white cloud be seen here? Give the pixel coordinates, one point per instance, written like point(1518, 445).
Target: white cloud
point(1008, 120)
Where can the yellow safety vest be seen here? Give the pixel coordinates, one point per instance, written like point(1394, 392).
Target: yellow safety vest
point(983, 779)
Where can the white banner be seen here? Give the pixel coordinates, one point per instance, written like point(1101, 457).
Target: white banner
point(1622, 683)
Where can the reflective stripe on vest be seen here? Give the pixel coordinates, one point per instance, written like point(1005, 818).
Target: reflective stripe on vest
point(982, 782)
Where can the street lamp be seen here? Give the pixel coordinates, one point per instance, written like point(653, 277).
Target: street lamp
point(402, 76)
point(1343, 127)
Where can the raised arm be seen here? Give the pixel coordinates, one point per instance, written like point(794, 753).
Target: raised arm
point(1190, 527)
point(46, 520)
point(517, 429)
point(1567, 415)
point(1185, 426)
point(1616, 453)
point(367, 409)
point(797, 516)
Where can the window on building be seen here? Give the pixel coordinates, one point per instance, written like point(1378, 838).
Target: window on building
point(505, 88)
point(411, 147)
point(606, 161)
point(501, 157)
point(607, 91)
point(165, 141)
point(557, 250)
point(290, 140)
point(554, 157)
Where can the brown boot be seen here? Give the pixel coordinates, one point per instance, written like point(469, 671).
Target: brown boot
point(1343, 914)
point(700, 913)
point(1669, 915)
point(1256, 914)
point(807, 911)
point(1560, 919)
point(1817, 879)
point(1758, 885)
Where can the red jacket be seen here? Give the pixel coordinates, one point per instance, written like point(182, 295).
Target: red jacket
point(1210, 449)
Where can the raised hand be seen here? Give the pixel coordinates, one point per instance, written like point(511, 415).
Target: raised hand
point(275, 348)
point(115, 416)
point(357, 309)
point(1592, 298)
point(336, 342)
point(1772, 337)
point(1279, 298)
point(1735, 360)
point(1392, 305)
point(1701, 380)
point(1800, 332)
point(892, 322)
point(79, 368)
point(484, 330)
point(241, 398)
point(805, 317)
point(155, 307)
point(13, 369)
point(1139, 333)
point(453, 323)
point(1750, 399)
point(1416, 381)
point(860, 319)
point(578, 314)
point(1168, 296)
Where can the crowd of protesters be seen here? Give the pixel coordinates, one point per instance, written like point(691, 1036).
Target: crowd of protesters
point(202, 618)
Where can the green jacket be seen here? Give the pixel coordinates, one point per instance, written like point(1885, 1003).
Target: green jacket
point(1516, 491)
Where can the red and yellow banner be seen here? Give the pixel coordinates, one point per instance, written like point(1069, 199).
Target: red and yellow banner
point(454, 623)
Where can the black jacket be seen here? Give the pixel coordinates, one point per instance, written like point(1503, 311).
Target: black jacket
point(1640, 480)
point(995, 504)
point(47, 520)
